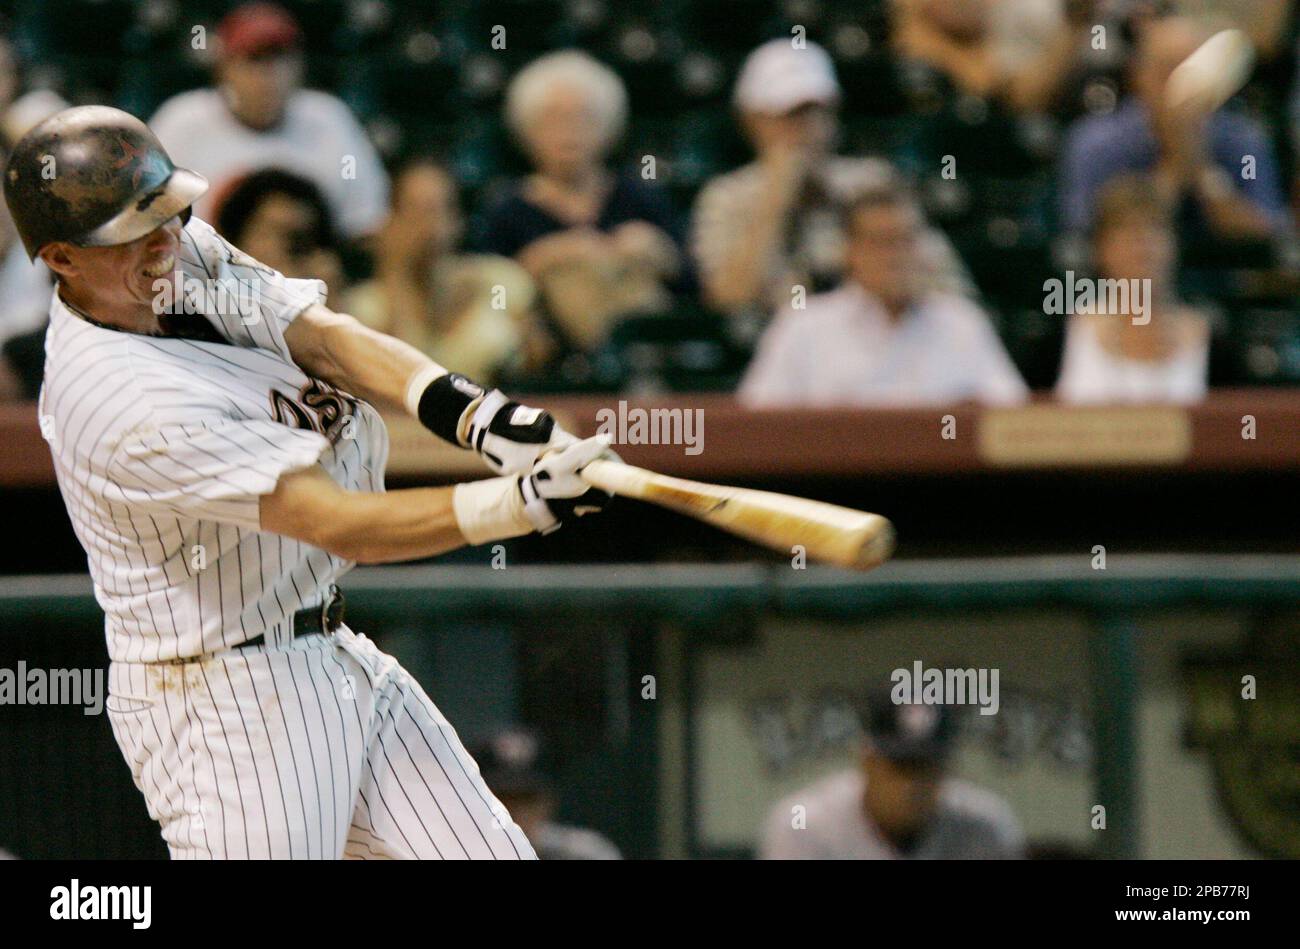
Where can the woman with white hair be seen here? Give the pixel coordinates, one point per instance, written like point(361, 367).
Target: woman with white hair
point(600, 245)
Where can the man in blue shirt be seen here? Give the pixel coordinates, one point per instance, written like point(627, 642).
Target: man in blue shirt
point(1222, 165)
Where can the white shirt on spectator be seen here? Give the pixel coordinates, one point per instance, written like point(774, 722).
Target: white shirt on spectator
point(969, 823)
point(1090, 373)
point(843, 349)
point(24, 293)
point(315, 139)
point(814, 244)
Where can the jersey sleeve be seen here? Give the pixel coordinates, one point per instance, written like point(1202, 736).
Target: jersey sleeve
point(213, 469)
point(249, 303)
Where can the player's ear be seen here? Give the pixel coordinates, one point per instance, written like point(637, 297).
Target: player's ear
point(58, 257)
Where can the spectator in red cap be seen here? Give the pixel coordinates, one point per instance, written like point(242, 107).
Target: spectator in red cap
point(258, 115)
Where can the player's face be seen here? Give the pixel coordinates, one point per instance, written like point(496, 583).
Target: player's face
point(565, 134)
point(883, 253)
point(123, 277)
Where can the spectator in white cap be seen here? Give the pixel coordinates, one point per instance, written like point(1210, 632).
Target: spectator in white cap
point(774, 225)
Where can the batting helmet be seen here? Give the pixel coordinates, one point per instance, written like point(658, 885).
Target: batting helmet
point(94, 176)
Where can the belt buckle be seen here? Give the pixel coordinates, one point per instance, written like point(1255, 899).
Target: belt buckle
point(331, 610)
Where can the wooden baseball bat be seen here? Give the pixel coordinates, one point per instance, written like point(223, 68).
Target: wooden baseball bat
point(827, 532)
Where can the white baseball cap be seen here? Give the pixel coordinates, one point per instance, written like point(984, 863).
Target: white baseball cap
point(777, 78)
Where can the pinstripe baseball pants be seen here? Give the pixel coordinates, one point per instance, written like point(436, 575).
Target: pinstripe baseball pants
point(322, 749)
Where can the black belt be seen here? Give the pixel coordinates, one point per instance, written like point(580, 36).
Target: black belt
point(314, 619)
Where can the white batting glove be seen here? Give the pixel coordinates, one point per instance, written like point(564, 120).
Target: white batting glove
point(549, 494)
point(511, 436)
point(554, 492)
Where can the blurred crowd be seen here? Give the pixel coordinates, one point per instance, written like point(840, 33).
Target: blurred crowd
point(840, 264)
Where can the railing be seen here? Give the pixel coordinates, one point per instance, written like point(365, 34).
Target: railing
point(696, 595)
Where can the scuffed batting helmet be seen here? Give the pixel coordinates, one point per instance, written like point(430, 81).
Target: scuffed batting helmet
point(94, 176)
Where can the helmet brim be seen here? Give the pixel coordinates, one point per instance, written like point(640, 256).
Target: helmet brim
point(147, 212)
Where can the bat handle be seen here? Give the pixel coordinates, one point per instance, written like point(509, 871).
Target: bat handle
point(616, 478)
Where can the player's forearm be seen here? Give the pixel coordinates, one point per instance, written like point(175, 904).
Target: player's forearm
point(385, 371)
point(362, 526)
point(343, 352)
point(385, 527)
point(400, 525)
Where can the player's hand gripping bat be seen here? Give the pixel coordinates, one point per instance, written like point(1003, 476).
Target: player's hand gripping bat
point(827, 532)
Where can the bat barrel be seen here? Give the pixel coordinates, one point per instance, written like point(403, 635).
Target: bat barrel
point(874, 545)
point(825, 532)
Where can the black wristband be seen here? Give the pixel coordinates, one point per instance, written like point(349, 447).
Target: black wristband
point(443, 404)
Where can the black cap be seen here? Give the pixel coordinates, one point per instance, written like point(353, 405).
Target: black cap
point(510, 763)
point(903, 732)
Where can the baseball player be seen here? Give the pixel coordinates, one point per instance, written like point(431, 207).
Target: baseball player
point(214, 440)
point(898, 802)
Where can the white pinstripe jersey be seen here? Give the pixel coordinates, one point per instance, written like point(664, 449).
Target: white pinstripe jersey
point(163, 447)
